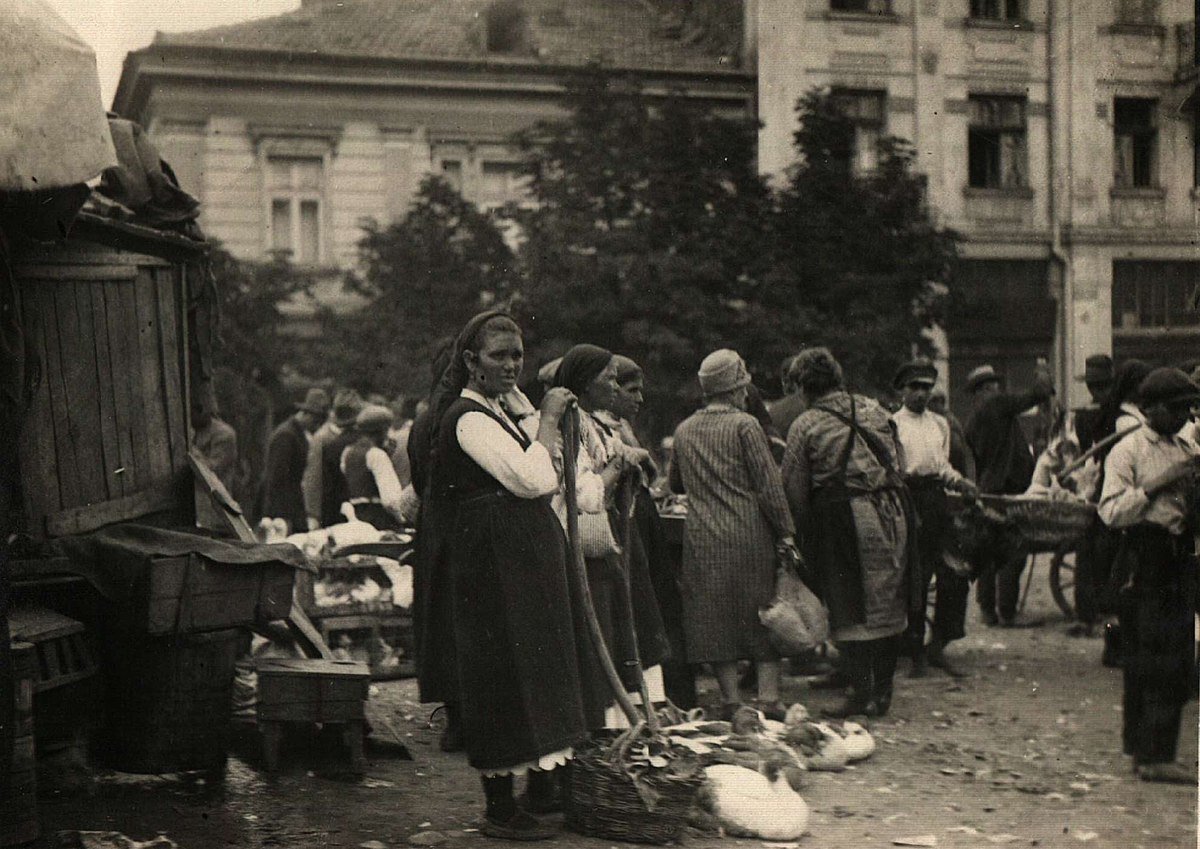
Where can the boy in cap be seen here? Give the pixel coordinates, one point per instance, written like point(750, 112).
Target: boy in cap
point(924, 439)
point(287, 453)
point(1149, 492)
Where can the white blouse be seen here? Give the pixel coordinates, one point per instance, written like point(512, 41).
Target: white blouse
point(525, 472)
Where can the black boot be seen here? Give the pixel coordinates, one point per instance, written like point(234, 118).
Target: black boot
point(543, 794)
point(451, 739)
point(856, 665)
point(884, 653)
point(504, 819)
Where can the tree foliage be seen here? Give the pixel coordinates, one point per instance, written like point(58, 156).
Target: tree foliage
point(424, 276)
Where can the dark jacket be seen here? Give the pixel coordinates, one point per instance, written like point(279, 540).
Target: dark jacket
point(287, 452)
point(333, 482)
point(1003, 459)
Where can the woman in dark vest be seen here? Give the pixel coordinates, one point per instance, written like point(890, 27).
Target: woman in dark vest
point(371, 484)
point(515, 646)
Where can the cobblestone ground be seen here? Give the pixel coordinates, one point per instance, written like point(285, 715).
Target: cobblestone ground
point(1024, 752)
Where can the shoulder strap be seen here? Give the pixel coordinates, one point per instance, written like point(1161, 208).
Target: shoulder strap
point(509, 426)
point(871, 440)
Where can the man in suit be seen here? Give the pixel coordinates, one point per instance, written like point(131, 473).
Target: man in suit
point(322, 484)
point(287, 453)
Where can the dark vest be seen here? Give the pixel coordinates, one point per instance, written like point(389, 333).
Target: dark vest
point(454, 475)
point(333, 483)
point(360, 481)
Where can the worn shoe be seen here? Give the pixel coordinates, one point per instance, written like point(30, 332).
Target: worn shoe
point(938, 660)
point(1172, 773)
point(539, 806)
point(990, 618)
point(520, 826)
point(1081, 629)
point(776, 710)
point(850, 707)
point(920, 665)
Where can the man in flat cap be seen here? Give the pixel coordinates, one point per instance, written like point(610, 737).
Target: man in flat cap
point(924, 438)
point(372, 487)
point(1004, 462)
point(1149, 494)
point(287, 453)
point(1098, 375)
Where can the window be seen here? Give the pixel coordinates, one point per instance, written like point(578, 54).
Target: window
point(996, 10)
point(867, 113)
point(1135, 137)
point(501, 182)
point(294, 186)
point(1155, 295)
point(996, 152)
point(452, 171)
point(868, 7)
point(1137, 12)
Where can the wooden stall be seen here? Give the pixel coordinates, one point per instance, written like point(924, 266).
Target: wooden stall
point(106, 436)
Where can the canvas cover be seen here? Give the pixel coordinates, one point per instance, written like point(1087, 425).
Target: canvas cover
point(53, 129)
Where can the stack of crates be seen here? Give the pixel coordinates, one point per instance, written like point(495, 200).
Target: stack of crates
point(18, 804)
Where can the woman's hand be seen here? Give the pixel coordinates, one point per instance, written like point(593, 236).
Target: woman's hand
point(610, 475)
point(557, 401)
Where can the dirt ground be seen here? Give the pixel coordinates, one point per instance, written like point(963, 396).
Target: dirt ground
point(1024, 752)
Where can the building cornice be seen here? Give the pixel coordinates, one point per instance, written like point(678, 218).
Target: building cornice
point(239, 64)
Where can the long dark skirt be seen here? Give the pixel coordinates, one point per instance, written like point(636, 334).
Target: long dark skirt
point(1156, 612)
point(517, 651)
point(433, 623)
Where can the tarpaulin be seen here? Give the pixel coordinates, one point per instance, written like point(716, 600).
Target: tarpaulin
point(53, 129)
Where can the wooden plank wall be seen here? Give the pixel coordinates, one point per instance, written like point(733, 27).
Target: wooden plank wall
point(106, 437)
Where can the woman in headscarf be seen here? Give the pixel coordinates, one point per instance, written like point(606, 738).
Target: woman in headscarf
point(588, 372)
point(737, 526)
point(845, 489)
point(502, 554)
point(651, 579)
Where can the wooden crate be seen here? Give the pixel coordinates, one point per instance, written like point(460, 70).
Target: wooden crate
point(308, 690)
point(61, 650)
point(18, 802)
point(218, 595)
point(168, 700)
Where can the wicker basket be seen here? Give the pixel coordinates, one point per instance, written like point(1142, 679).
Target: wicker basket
point(1043, 523)
point(604, 802)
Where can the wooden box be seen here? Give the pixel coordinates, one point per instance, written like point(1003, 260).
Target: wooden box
point(192, 594)
point(307, 690)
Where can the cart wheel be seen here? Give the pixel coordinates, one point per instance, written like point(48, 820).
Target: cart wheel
point(1062, 582)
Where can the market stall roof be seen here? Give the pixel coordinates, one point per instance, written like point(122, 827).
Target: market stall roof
point(53, 129)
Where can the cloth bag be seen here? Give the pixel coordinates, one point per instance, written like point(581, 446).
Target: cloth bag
point(596, 536)
point(796, 618)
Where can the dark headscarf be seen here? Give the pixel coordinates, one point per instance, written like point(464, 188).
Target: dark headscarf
point(627, 369)
point(580, 366)
point(1128, 378)
point(455, 377)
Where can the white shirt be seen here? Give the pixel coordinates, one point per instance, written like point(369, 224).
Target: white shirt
point(525, 472)
point(1139, 457)
point(925, 441)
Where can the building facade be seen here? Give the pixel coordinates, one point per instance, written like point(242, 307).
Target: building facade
point(1057, 136)
point(294, 130)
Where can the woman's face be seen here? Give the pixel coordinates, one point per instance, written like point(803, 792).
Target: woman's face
point(600, 392)
point(495, 369)
point(627, 400)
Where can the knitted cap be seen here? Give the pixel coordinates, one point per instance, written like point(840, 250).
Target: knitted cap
point(723, 371)
point(1165, 386)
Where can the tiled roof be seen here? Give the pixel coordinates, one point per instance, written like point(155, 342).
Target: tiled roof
point(622, 33)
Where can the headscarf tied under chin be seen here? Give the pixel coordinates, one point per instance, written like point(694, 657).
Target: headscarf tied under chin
point(580, 366)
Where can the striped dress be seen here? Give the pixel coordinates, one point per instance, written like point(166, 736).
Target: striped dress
point(737, 511)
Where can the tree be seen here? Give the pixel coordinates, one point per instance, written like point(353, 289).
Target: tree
point(860, 251)
point(424, 276)
point(646, 234)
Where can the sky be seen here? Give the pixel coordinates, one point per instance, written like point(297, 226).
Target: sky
point(115, 27)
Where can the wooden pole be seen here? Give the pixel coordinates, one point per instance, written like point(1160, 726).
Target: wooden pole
point(570, 451)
